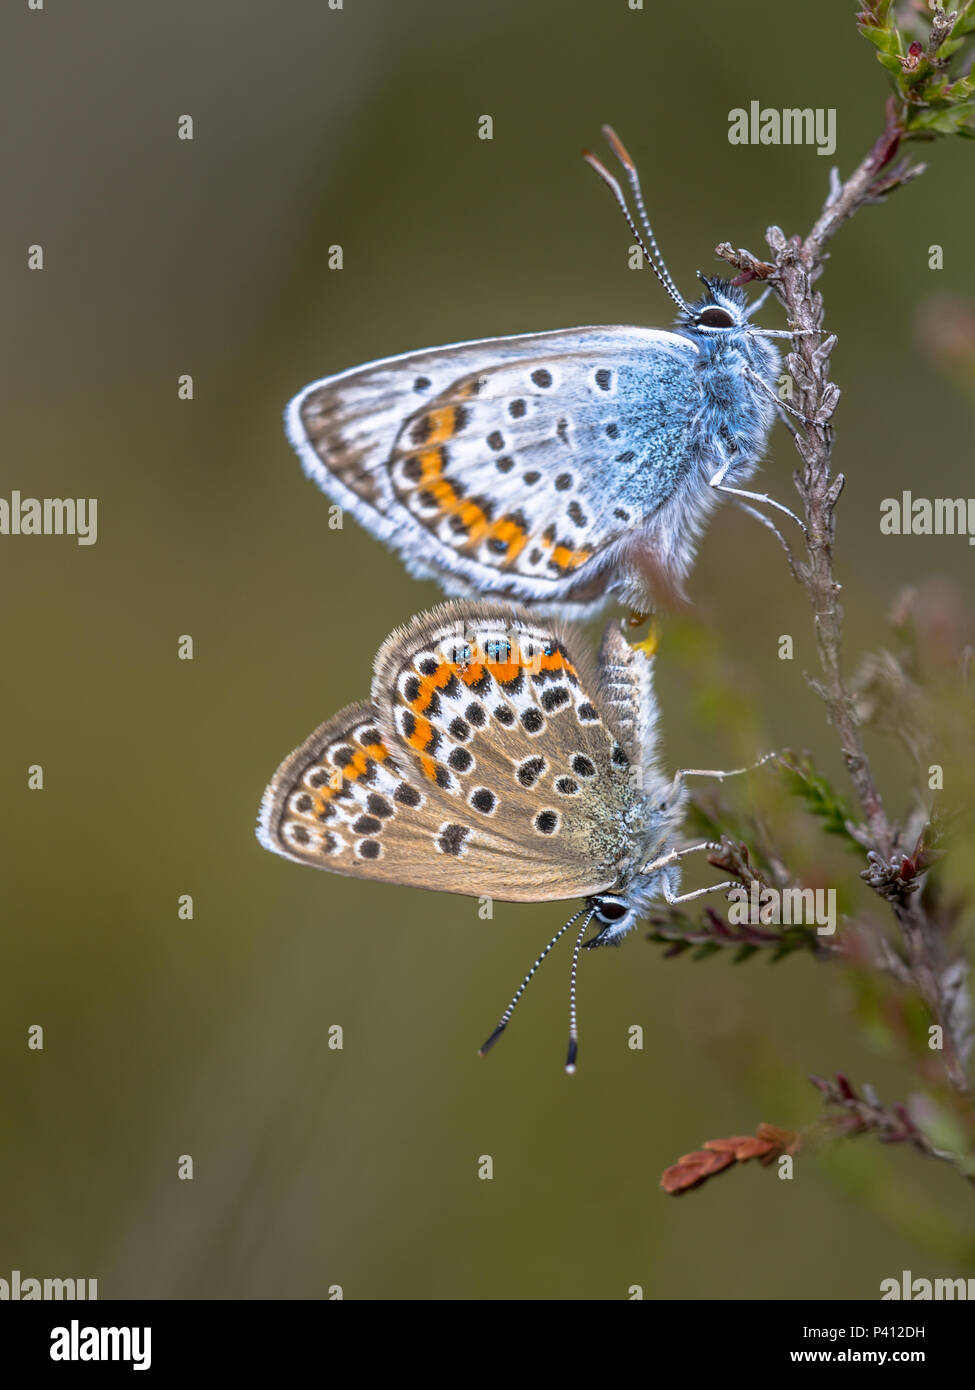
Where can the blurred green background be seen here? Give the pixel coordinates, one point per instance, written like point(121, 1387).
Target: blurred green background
point(209, 1037)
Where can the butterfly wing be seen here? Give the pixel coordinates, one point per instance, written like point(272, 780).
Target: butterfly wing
point(481, 766)
point(345, 801)
point(516, 466)
point(497, 712)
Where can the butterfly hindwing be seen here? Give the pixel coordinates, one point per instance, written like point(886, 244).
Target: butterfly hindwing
point(512, 465)
point(495, 714)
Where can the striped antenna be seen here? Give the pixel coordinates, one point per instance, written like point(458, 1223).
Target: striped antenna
point(503, 1022)
point(570, 1061)
point(613, 185)
point(624, 157)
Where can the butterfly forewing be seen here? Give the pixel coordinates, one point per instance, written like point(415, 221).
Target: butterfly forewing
point(511, 465)
point(344, 802)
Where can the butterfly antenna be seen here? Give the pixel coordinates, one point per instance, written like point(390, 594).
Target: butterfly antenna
point(503, 1021)
point(624, 157)
point(617, 192)
point(570, 1061)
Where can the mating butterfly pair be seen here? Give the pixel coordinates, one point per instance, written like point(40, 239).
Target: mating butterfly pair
point(555, 470)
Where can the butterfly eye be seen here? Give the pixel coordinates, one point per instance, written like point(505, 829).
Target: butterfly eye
point(611, 910)
point(715, 318)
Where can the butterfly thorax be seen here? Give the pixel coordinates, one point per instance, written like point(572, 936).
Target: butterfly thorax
point(650, 829)
point(735, 412)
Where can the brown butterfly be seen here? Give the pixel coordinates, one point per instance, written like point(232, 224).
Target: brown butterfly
point(494, 758)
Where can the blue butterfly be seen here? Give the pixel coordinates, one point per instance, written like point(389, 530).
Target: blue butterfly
point(555, 469)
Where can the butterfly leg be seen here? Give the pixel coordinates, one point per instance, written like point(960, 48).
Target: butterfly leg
point(783, 415)
point(780, 404)
point(717, 481)
point(672, 856)
point(775, 532)
point(759, 497)
point(674, 898)
point(715, 772)
point(759, 303)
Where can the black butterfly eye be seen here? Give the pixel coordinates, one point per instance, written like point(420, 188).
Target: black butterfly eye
point(611, 911)
point(715, 318)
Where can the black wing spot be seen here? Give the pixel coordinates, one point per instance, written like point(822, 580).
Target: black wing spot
point(421, 431)
point(554, 698)
point(530, 770)
point(542, 377)
point(452, 838)
point(547, 822)
point(366, 825)
point(516, 685)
